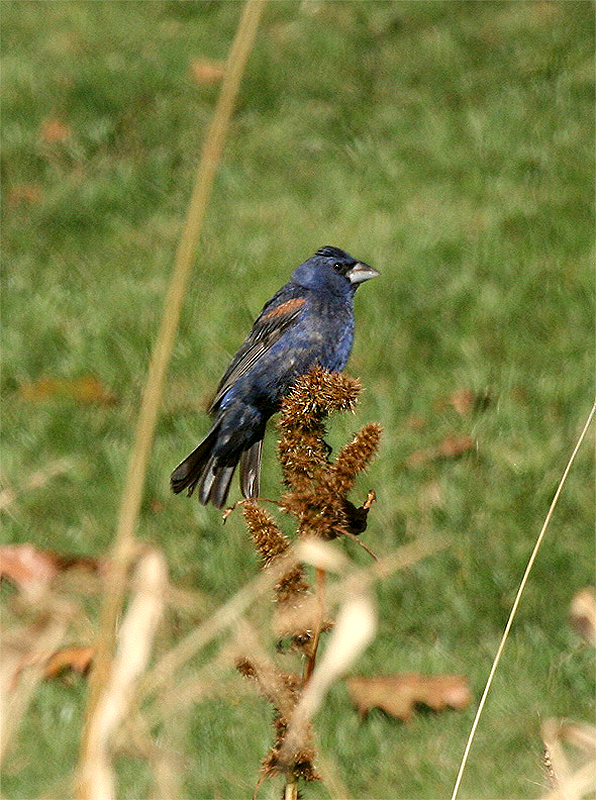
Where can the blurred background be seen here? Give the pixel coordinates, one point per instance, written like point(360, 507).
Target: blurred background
point(448, 144)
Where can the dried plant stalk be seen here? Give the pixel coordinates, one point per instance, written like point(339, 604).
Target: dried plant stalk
point(135, 643)
point(130, 504)
point(317, 496)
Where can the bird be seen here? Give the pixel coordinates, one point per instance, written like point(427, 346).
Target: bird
point(308, 322)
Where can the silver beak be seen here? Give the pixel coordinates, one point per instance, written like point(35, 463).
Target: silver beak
point(361, 272)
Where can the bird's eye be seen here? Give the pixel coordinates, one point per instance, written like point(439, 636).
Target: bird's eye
point(341, 267)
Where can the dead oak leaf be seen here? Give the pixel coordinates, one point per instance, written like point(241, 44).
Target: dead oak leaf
point(86, 389)
point(205, 72)
point(75, 659)
point(54, 131)
point(464, 401)
point(32, 569)
point(452, 446)
point(398, 695)
point(582, 614)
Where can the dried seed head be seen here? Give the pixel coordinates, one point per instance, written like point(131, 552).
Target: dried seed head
point(269, 540)
point(270, 543)
point(317, 394)
point(352, 459)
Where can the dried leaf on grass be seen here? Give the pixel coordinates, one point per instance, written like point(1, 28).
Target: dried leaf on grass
point(451, 447)
point(206, 72)
point(86, 389)
point(32, 569)
point(398, 695)
point(76, 659)
point(28, 568)
point(27, 194)
point(53, 130)
point(464, 401)
point(582, 614)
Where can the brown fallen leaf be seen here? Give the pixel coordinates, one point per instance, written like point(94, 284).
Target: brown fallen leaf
point(32, 569)
point(454, 446)
point(582, 614)
point(27, 194)
point(416, 423)
point(28, 568)
point(207, 72)
point(53, 130)
point(464, 401)
point(76, 659)
point(451, 447)
point(398, 695)
point(86, 389)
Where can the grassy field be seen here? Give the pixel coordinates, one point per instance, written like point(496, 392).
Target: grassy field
point(450, 145)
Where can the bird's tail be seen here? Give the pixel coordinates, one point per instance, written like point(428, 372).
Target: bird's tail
point(200, 468)
point(190, 471)
point(250, 469)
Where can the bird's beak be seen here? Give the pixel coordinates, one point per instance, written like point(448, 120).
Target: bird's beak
point(361, 272)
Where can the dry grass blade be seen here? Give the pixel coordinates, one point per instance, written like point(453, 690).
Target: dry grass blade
point(516, 602)
point(253, 662)
point(134, 649)
point(122, 552)
point(320, 554)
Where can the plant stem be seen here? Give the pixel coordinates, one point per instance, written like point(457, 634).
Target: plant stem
point(291, 788)
point(320, 586)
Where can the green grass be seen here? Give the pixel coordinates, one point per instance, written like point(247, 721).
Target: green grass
point(448, 144)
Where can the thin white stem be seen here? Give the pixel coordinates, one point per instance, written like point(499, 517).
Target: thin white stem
point(512, 613)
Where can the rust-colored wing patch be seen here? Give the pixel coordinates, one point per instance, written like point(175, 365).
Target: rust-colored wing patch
point(285, 308)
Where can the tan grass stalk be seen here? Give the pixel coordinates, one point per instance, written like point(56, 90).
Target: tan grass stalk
point(122, 549)
point(253, 662)
point(230, 612)
point(321, 600)
point(134, 649)
point(513, 611)
point(560, 768)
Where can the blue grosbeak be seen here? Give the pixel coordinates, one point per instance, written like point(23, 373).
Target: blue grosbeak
point(309, 321)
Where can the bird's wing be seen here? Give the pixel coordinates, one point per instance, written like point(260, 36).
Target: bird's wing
point(279, 314)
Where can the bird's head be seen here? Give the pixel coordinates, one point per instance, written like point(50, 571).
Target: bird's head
point(335, 269)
